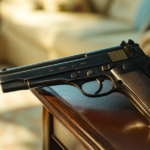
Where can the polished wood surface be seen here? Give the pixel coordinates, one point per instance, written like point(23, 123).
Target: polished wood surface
point(109, 122)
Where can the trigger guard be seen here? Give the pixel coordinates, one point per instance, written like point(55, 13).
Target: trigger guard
point(79, 84)
point(100, 86)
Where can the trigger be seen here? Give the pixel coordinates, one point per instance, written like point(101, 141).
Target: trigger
point(99, 81)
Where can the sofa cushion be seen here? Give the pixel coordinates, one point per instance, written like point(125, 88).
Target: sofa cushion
point(71, 45)
point(61, 34)
point(19, 51)
point(89, 35)
point(41, 27)
point(99, 26)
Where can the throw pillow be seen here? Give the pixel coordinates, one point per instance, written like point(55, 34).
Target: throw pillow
point(66, 5)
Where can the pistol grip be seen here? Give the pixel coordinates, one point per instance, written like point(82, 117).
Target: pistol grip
point(136, 86)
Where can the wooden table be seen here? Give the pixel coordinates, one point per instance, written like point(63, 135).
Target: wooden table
point(75, 122)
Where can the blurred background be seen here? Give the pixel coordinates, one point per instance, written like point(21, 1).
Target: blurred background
point(33, 31)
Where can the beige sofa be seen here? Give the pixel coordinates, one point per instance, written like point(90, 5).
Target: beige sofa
point(35, 35)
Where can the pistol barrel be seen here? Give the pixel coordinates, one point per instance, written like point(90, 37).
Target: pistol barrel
point(15, 85)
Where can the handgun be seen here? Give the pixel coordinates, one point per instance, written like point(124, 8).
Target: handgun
point(125, 65)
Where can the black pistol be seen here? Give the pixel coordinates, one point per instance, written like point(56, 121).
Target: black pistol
point(126, 66)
